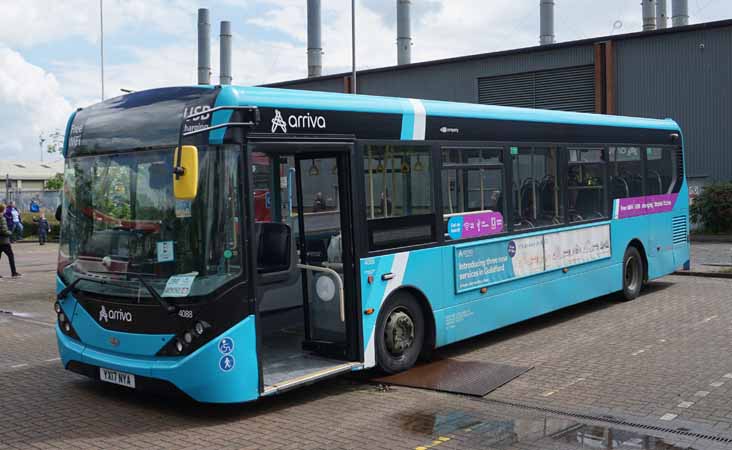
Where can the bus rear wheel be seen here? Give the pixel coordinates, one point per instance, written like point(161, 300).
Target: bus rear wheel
point(399, 333)
point(632, 273)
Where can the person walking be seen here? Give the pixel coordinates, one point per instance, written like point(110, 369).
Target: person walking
point(5, 246)
point(17, 229)
point(43, 228)
point(8, 215)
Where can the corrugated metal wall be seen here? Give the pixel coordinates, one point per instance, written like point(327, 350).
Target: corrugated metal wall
point(453, 81)
point(687, 77)
point(566, 89)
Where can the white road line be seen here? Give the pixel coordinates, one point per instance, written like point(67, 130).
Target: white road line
point(668, 416)
point(52, 360)
point(716, 384)
point(18, 366)
point(701, 393)
point(728, 375)
point(685, 404)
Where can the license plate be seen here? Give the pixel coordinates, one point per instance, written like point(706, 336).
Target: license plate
point(121, 378)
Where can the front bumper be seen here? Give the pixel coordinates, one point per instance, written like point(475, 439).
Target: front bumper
point(200, 375)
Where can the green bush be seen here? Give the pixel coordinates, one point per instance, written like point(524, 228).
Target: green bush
point(713, 208)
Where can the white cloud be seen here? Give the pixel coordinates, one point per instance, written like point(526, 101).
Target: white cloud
point(31, 104)
point(32, 22)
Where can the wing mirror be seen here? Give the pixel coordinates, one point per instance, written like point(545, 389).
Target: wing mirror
point(185, 172)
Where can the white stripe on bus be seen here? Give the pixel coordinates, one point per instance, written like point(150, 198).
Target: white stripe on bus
point(398, 267)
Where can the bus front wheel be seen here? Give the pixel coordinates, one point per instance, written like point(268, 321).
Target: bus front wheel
point(399, 333)
point(632, 273)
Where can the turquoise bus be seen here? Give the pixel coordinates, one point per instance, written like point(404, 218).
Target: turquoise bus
point(232, 242)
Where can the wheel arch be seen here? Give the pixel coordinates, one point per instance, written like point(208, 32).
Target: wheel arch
point(430, 335)
point(635, 242)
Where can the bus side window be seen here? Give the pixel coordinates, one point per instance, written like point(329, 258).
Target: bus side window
point(537, 198)
point(659, 170)
point(472, 183)
point(398, 187)
point(586, 184)
point(626, 174)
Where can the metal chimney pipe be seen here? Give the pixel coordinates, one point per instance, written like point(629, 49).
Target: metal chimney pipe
point(649, 15)
point(204, 46)
point(680, 11)
point(546, 25)
point(315, 46)
point(404, 32)
point(661, 15)
point(225, 53)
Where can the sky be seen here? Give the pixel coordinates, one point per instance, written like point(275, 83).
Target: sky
point(50, 49)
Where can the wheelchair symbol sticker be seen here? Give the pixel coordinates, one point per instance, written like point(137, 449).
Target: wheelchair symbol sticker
point(226, 345)
point(226, 363)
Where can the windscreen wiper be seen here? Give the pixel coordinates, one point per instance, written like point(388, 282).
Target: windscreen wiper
point(170, 309)
point(72, 286)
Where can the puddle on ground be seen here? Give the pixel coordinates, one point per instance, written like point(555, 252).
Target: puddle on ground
point(500, 434)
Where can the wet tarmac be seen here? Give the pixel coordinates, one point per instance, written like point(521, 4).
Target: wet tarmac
point(505, 433)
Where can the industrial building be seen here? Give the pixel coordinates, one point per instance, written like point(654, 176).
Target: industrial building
point(683, 73)
point(19, 176)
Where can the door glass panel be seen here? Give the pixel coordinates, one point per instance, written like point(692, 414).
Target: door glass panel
point(322, 243)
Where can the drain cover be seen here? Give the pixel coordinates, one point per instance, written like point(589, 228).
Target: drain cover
point(456, 376)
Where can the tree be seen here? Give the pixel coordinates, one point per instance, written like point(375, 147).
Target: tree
point(54, 141)
point(55, 183)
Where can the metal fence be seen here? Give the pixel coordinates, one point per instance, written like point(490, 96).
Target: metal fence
point(46, 200)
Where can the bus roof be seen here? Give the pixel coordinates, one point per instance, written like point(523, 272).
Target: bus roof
point(291, 98)
point(156, 117)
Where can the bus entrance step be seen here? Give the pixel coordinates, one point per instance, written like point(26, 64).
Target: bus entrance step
point(325, 348)
point(456, 376)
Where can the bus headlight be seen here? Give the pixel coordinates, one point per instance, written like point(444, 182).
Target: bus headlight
point(186, 342)
point(198, 328)
point(65, 325)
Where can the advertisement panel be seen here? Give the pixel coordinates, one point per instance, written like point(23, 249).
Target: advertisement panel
point(483, 264)
point(568, 248)
point(642, 206)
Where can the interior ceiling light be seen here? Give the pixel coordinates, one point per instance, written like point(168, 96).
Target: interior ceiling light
point(418, 167)
point(313, 171)
point(380, 167)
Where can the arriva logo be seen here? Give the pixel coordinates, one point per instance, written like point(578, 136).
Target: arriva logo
point(294, 122)
point(114, 314)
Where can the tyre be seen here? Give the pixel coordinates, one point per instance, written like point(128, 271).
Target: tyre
point(399, 333)
point(632, 273)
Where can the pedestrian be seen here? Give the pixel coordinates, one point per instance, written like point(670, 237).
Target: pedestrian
point(8, 216)
point(17, 228)
point(43, 228)
point(5, 246)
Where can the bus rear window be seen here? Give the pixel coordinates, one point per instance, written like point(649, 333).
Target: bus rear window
point(626, 172)
point(659, 170)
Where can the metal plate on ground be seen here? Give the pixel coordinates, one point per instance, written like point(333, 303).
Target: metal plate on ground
point(456, 376)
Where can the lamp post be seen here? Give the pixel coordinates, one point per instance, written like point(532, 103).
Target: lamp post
point(353, 46)
point(101, 42)
point(41, 140)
